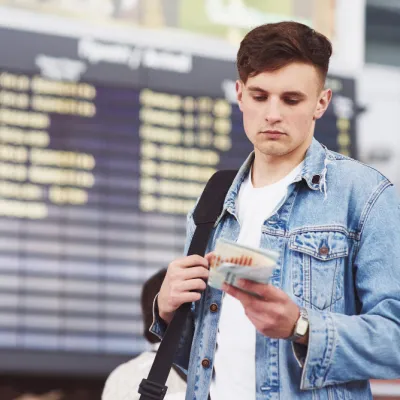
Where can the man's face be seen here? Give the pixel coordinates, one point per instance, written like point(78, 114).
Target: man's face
point(280, 108)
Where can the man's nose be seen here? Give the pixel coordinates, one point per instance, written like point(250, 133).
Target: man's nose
point(272, 113)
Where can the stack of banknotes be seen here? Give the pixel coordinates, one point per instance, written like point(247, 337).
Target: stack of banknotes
point(233, 261)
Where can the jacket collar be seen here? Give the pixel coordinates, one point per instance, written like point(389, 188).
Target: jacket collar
point(313, 172)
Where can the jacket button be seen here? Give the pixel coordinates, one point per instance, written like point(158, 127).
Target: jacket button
point(323, 250)
point(214, 307)
point(315, 179)
point(206, 363)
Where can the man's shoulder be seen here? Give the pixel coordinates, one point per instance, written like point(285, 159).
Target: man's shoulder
point(353, 172)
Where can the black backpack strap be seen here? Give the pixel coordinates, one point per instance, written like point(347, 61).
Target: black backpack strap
point(205, 215)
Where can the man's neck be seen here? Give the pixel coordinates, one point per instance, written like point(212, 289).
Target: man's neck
point(271, 169)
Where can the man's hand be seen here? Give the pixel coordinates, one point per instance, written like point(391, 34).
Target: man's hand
point(184, 278)
point(273, 313)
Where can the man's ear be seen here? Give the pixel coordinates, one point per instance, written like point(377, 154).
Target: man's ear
point(323, 103)
point(239, 93)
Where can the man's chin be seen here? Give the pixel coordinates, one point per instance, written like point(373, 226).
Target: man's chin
point(273, 149)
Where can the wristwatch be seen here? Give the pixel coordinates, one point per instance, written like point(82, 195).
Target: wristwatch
point(301, 327)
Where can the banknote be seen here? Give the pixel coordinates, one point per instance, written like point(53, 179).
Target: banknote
point(233, 261)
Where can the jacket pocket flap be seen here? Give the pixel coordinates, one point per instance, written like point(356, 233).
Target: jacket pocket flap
point(323, 245)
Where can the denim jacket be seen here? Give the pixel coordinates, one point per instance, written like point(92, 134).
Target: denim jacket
point(338, 236)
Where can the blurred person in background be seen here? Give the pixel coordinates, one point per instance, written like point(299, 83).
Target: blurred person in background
point(123, 382)
point(330, 319)
point(49, 396)
point(49, 387)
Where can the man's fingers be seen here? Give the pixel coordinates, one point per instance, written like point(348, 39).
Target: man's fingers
point(189, 297)
point(192, 284)
point(264, 290)
point(243, 297)
point(195, 272)
point(254, 299)
point(192, 261)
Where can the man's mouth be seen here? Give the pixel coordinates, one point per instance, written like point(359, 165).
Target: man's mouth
point(273, 134)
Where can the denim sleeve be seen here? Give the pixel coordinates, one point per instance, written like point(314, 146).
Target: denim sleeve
point(345, 348)
point(159, 326)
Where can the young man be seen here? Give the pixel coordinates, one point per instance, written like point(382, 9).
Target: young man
point(330, 318)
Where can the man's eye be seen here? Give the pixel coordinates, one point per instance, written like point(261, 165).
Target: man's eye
point(259, 98)
point(291, 102)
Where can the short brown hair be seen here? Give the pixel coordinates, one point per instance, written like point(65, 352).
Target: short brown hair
point(270, 47)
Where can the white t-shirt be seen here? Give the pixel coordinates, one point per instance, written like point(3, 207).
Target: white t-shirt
point(123, 382)
point(234, 362)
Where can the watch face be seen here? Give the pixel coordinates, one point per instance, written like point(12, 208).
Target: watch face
point(302, 326)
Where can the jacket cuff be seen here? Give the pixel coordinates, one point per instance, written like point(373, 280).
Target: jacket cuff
point(321, 346)
point(159, 326)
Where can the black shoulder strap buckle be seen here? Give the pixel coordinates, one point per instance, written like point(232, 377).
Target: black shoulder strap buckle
point(152, 390)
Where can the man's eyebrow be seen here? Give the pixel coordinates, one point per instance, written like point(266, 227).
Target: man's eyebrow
point(256, 89)
point(293, 93)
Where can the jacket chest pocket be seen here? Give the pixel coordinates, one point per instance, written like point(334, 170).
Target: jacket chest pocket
point(318, 259)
